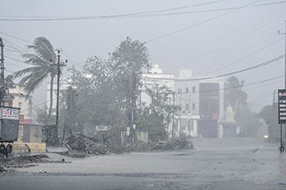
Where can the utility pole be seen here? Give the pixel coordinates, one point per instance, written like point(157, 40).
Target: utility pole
point(284, 54)
point(58, 94)
point(2, 64)
point(3, 89)
point(173, 119)
point(281, 137)
point(58, 91)
point(180, 118)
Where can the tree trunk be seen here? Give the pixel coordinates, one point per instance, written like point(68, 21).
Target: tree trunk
point(51, 96)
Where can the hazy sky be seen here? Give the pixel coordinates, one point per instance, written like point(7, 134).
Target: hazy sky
point(211, 37)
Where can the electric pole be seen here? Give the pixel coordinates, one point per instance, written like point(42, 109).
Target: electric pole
point(58, 94)
point(282, 149)
point(2, 64)
point(3, 90)
point(284, 54)
point(173, 119)
point(58, 91)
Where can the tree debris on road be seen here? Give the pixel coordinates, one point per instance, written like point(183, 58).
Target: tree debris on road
point(26, 161)
point(175, 144)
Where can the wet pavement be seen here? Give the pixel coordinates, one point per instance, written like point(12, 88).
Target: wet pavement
point(239, 163)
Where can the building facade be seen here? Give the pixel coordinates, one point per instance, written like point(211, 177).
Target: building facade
point(20, 100)
point(64, 85)
point(201, 105)
point(154, 79)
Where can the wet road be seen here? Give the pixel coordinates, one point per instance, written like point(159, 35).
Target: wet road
point(215, 164)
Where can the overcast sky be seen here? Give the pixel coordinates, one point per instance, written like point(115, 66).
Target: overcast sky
point(210, 37)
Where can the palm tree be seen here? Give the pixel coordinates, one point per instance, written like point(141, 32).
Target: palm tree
point(42, 61)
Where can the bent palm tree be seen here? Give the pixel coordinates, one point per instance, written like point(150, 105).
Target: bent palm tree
point(42, 61)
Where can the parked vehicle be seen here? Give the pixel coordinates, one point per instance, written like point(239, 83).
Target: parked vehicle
point(9, 127)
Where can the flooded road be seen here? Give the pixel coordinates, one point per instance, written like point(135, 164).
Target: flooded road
point(240, 163)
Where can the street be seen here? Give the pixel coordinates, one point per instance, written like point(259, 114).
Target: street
point(217, 164)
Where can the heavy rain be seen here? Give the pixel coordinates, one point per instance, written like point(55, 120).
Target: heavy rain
point(137, 95)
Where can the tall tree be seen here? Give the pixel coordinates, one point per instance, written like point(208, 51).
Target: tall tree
point(130, 59)
point(108, 89)
point(42, 62)
point(98, 96)
point(157, 117)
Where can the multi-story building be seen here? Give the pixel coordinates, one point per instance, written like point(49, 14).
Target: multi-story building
point(20, 100)
point(63, 86)
point(202, 105)
point(155, 78)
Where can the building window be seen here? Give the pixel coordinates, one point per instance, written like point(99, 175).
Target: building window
point(187, 90)
point(187, 106)
point(194, 89)
point(193, 106)
point(179, 90)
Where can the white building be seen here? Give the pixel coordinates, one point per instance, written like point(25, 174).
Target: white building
point(63, 86)
point(201, 103)
point(153, 79)
point(20, 101)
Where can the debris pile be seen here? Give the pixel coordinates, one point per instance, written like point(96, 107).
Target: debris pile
point(82, 145)
point(26, 161)
point(175, 144)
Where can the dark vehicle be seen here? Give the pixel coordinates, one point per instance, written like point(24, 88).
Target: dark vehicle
point(9, 126)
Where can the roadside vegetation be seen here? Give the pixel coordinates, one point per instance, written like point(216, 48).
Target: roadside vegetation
point(105, 92)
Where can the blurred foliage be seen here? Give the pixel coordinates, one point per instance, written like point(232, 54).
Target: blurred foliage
point(42, 65)
point(108, 89)
point(156, 117)
point(247, 119)
point(269, 114)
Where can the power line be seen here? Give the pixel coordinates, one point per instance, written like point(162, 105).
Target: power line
point(205, 11)
point(230, 73)
point(203, 22)
point(134, 15)
point(231, 42)
point(250, 84)
point(15, 37)
point(101, 17)
point(253, 67)
point(181, 30)
point(234, 87)
point(245, 57)
point(198, 103)
point(199, 79)
point(273, 3)
point(14, 46)
point(262, 98)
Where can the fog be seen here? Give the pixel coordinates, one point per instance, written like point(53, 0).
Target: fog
point(208, 37)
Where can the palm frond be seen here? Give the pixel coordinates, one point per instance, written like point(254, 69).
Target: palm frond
point(31, 82)
point(35, 60)
point(35, 74)
point(24, 71)
point(43, 48)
